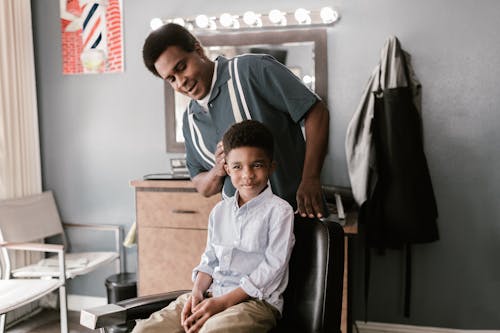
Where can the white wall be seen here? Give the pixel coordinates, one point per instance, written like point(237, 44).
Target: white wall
point(101, 131)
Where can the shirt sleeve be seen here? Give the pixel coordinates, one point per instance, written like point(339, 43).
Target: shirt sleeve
point(194, 167)
point(208, 259)
point(268, 276)
point(283, 89)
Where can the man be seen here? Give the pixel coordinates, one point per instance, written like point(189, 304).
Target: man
point(226, 91)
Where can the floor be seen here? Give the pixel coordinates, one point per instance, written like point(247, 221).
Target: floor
point(47, 321)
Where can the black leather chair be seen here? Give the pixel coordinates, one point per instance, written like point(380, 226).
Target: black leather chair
point(313, 298)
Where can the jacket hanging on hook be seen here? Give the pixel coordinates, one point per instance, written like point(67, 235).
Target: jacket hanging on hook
point(386, 162)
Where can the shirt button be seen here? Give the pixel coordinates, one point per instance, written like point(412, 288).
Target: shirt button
point(235, 242)
point(211, 105)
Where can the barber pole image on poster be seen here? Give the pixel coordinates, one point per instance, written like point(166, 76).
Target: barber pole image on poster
point(92, 40)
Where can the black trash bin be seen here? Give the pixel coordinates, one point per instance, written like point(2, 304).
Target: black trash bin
point(120, 287)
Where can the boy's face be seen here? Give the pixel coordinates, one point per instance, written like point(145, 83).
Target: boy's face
point(189, 73)
point(249, 169)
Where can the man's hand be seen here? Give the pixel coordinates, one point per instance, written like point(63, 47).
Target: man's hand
point(210, 182)
point(309, 198)
point(309, 193)
point(220, 160)
point(201, 313)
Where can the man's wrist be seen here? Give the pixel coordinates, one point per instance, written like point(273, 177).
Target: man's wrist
point(311, 178)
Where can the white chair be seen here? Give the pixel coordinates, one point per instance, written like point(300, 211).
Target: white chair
point(15, 293)
point(34, 218)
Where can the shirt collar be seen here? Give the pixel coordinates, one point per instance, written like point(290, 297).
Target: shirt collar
point(258, 200)
point(223, 72)
point(220, 77)
point(204, 101)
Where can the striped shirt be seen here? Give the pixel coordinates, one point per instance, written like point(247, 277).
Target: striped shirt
point(252, 87)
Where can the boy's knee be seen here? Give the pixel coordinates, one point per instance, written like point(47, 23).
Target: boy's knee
point(215, 324)
point(157, 324)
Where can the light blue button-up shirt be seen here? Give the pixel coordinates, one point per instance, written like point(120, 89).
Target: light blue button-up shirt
point(249, 247)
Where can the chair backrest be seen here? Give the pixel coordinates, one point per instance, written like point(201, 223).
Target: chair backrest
point(29, 218)
point(313, 298)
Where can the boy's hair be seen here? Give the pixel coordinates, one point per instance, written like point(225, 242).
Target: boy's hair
point(249, 133)
point(159, 40)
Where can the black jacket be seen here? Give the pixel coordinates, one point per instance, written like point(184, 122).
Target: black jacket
point(391, 180)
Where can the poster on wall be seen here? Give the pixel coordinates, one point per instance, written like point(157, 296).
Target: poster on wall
point(92, 40)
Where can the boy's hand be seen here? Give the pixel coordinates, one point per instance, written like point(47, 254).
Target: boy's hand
point(201, 312)
point(194, 299)
point(309, 198)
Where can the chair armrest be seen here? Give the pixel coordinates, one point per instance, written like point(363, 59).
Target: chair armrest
point(103, 227)
point(142, 307)
point(103, 316)
point(40, 247)
point(127, 310)
point(116, 229)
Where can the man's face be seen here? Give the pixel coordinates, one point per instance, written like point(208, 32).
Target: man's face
point(189, 73)
point(249, 169)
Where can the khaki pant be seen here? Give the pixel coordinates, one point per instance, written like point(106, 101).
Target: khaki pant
point(251, 316)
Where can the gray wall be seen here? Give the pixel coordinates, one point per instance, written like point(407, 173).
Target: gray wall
point(101, 131)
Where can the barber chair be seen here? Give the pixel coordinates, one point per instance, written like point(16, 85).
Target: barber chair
point(313, 298)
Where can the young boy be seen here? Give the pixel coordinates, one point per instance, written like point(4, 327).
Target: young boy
point(239, 283)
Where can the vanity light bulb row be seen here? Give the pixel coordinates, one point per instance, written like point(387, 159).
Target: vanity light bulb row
point(274, 19)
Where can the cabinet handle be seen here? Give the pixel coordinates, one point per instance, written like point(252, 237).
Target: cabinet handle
point(184, 211)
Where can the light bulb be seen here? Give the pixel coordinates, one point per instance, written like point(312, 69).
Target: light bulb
point(250, 18)
point(155, 23)
point(302, 16)
point(328, 15)
point(277, 17)
point(307, 79)
point(202, 21)
point(226, 20)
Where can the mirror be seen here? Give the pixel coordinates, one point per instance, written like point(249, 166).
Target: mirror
point(302, 51)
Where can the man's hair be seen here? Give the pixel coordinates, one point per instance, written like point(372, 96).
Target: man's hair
point(249, 133)
point(159, 40)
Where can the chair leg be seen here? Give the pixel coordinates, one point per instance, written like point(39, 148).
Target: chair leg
point(2, 322)
point(63, 308)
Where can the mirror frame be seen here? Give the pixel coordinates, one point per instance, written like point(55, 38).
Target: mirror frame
point(316, 35)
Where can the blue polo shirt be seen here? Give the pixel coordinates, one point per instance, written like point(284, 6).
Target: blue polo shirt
point(266, 91)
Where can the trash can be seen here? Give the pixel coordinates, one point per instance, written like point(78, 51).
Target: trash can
point(120, 287)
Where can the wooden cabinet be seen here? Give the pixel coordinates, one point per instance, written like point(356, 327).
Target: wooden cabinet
point(172, 223)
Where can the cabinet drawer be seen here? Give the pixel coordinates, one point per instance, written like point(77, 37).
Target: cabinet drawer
point(178, 209)
point(167, 258)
